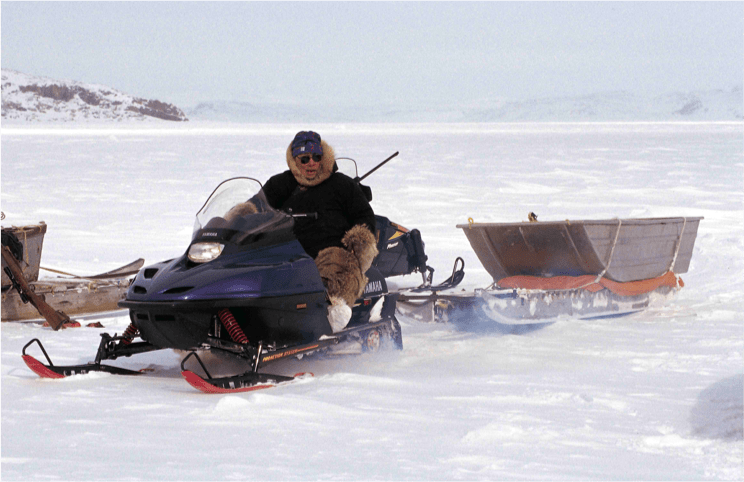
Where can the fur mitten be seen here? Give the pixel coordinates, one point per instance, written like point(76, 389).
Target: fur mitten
point(239, 210)
point(341, 274)
point(361, 242)
point(343, 270)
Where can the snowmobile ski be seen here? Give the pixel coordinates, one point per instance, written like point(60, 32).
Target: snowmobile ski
point(244, 383)
point(247, 382)
point(369, 340)
point(108, 350)
point(53, 371)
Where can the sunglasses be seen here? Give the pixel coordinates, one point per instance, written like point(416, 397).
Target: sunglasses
point(306, 159)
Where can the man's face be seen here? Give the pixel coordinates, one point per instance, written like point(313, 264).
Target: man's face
point(309, 164)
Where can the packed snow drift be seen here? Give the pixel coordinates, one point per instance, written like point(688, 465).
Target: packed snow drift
point(656, 395)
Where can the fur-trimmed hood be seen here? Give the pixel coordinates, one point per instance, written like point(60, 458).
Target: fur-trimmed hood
point(324, 171)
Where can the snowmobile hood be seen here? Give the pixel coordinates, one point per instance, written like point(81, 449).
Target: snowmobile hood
point(277, 270)
point(241, 248)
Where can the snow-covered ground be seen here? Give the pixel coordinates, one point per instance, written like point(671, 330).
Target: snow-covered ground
point(654, 396)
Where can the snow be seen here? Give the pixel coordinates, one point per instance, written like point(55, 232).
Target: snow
point(652, 396)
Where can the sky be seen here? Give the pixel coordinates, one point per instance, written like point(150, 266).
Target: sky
point(371, 53)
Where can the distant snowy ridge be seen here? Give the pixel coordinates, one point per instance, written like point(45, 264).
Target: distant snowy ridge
point(715, 105)
point(28, 98)
point(31, 98)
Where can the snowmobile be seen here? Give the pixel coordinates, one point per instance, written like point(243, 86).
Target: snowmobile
point(246, 287)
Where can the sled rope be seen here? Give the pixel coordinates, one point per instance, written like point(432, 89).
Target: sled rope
point(56, 271)
point(599, 277)
point(612, 251)
point(679, 243)
point(609, 259)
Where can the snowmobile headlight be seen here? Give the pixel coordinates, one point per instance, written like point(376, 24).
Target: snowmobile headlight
point(203, 252)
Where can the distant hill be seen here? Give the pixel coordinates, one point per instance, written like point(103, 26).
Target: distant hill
point(30, 98)
point(27, 98)
point(716, 105)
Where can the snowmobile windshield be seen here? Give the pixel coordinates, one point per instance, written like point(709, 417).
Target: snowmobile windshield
point(237, 212)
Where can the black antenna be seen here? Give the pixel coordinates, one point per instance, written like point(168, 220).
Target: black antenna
point(377, 167)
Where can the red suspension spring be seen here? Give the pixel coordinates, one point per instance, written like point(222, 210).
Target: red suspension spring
point(228, 320)
point(129, 334)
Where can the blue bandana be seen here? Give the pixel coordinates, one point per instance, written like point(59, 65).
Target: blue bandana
point(306, 142)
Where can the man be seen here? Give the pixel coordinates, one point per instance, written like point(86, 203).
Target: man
point(340, 238)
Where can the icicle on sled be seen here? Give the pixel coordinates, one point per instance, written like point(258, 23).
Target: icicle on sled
point(544, 271)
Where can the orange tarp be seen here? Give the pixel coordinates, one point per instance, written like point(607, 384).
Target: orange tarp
point(587, 282)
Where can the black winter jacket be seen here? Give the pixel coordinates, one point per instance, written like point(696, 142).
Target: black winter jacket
point(338, 201)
